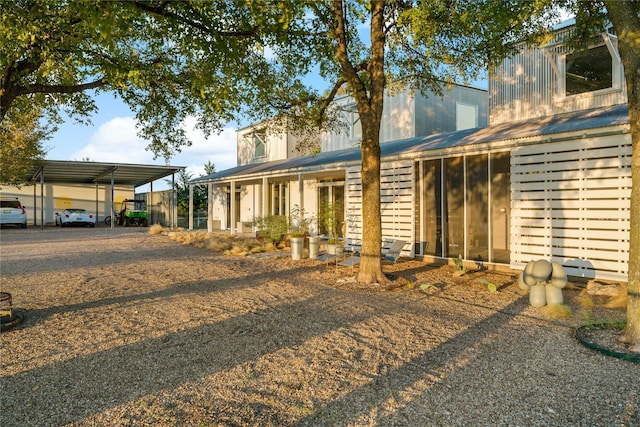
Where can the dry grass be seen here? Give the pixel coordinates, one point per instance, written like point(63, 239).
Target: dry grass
point(156, 229)
point(619, 301)
point(558, 311)
point(216, 242)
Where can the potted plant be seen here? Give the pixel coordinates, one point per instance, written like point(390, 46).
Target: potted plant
point(298, 229)
point(330, 215)
point(271, 228)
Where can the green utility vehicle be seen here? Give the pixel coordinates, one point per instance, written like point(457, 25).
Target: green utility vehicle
point(133, 212)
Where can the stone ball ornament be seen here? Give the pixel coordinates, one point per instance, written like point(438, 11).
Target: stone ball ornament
point(544, 280)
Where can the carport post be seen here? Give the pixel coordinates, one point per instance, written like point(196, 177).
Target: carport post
point(172, 209)
point(97, 206)
point(42, 199)
point(35, 205)
point(190, 206)
point(113, 210)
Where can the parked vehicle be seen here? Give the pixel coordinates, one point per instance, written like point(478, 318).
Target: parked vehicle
point(12, 212)
point(133, 212)
point(71, 217)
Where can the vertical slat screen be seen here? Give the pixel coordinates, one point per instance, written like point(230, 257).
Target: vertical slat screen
point(570, 204)
point(397, 202)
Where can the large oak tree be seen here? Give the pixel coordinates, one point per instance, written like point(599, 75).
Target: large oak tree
point(421, 45)
point(591, 18)
point(166, 59)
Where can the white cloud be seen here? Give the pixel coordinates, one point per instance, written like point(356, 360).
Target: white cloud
point(117, 141)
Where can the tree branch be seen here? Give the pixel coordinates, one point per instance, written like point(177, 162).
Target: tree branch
point(40, 88)
point(164, 12)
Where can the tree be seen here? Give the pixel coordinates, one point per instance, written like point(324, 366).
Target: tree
point(422, 45)
point(181, 188)
point(209, 168)
point(20, 146)
point(166, 59)
point(591, 16)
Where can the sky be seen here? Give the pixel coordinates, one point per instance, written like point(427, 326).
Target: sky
point(112, 137)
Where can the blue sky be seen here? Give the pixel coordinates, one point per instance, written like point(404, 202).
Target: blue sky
point(112, 137)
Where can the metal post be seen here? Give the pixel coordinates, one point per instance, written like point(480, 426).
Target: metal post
point(113, 208)
point(35, 205)
point(172, 213)
point(42, 199)
point(210, 207)
point(190, 206)
point(97, 207)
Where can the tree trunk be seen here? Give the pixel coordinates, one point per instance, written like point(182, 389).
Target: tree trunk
point(624, 16)
point(370, 270)
point(367, 85)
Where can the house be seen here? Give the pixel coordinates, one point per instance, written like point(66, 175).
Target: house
point(272, 177)
point(549, 177)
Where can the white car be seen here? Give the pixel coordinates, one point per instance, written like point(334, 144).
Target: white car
point(70, 217)
point(12, 212)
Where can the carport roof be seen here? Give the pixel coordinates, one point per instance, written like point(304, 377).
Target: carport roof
point(72, 172)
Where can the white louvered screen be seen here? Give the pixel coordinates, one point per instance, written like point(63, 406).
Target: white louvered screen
point(570, 204)
point(397, 202)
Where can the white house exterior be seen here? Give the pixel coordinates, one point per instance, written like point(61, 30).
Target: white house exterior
point(549, 177)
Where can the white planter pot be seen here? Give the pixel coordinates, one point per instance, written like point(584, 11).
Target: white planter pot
point(335, 249)
point(314, 246)
point(297, 246)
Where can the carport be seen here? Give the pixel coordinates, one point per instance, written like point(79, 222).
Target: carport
point(95, 174)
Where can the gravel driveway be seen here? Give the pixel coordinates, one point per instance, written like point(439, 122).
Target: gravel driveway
point(126, 328)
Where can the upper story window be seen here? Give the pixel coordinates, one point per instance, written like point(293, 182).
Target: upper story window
point(259, 146)
point(356, 126)
point(588, 71)
point(466, 116)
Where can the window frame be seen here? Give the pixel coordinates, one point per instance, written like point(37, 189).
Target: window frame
point(610, 41)
point(256, 140)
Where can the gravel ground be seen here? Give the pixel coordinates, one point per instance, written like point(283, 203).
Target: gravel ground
point(130, 329)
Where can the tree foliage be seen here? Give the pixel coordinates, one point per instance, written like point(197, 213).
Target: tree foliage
point(166, 59)
point(181, 188)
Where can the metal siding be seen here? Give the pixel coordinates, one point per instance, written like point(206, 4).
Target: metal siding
point(525, 86)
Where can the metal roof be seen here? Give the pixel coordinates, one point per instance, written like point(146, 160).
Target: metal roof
point(72, 172)
point(541, 126)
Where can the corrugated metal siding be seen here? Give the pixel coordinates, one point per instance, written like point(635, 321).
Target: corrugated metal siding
point(570, 204)
point(521, 88)
point(397, 202)
point(436, 114)
point(525, 86)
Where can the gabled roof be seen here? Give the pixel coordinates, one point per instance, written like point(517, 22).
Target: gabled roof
point(72, 172)
point(541, 126)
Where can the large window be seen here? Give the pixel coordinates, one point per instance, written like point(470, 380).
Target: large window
point(588, 71)
point(432, 196)
point(477, 198)
point(279, 200)
point(465, 207)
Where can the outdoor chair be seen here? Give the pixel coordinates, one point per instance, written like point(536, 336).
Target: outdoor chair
point(391, 249)
point(352, 247)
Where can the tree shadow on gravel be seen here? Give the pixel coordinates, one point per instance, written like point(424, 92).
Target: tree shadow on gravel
point(38, 316)
point(366, 399)
point(83, 387)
